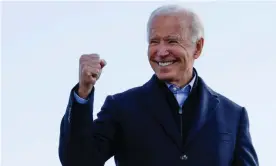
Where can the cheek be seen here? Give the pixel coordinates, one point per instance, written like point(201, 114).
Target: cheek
point(151, 52)
point(184, 55)
point(179, 54)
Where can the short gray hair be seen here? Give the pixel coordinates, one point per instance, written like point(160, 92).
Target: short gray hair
point(196, 27)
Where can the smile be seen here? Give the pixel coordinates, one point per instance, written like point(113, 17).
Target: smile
point(165, 63)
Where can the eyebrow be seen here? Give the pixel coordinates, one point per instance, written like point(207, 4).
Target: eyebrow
point(172, 37)
point(176, 37)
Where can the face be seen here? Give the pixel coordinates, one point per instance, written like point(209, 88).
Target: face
point(171, 51)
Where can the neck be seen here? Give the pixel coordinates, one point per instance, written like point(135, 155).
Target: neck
point(184, 80)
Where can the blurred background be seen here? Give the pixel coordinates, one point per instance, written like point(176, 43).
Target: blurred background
point(42, 42)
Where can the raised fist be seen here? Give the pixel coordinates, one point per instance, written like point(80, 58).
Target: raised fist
point(90, 68)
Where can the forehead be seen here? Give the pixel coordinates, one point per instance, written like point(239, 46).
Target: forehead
point(170, 25)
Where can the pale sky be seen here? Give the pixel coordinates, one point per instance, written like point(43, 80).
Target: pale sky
point(41, 44)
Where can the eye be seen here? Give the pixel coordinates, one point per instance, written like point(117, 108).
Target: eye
point(154, 41)
point(172, 41)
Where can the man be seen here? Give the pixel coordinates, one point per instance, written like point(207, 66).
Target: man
point(174, 119)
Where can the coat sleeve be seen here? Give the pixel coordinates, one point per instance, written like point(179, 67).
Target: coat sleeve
point(245, 154)
point(84, 141)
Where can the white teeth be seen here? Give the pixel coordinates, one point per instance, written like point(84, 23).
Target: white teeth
point(164, 63)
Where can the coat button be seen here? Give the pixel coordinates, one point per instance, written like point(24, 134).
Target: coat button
point(184, 157)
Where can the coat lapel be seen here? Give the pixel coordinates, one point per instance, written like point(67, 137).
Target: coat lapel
point(159, 109)
point(208, 102)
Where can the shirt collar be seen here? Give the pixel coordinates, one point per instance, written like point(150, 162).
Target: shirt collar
point(186, 89)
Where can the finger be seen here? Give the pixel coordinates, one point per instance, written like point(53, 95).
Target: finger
point(90, 60)
point(94, 55)
point(102, 63)
point(89, 57)
point(95, 72)
point(91, 64)
point(90, 71)
point(90, 80)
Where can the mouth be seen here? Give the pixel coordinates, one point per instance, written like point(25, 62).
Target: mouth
point(165, 63)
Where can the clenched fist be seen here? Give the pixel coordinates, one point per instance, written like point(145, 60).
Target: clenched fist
point(90, 69)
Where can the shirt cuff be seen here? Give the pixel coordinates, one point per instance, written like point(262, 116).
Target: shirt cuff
point(79, 99)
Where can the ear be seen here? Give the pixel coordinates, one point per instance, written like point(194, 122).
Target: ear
point(199, 47)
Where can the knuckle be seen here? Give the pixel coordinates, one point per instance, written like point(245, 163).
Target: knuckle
point(83, 67)
point(82, 57)
point(95, 58)
point(98, 66)
point(85, 70)
point(95, 62)
point(89, 58)
point(95, 55)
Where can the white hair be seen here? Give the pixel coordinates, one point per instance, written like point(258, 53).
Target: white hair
point(197, 30)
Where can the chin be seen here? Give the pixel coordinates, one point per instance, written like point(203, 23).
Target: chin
point(165, 76)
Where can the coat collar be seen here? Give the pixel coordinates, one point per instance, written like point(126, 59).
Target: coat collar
point(159, 108)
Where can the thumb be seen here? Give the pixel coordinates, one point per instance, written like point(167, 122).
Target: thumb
point(102, 63)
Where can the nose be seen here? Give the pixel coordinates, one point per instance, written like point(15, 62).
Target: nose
point(162, 51)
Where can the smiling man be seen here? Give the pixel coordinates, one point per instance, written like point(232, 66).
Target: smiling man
point(174, 119)
point(174, 44)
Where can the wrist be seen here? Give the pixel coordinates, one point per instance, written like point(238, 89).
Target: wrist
point(83, 93)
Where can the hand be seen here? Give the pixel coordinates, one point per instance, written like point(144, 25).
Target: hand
point(90, 68)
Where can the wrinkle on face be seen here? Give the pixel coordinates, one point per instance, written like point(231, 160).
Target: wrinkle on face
point(171, 34)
